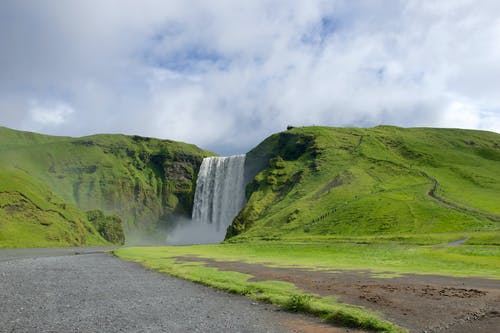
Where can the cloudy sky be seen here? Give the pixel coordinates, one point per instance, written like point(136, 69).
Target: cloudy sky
point(226, 74)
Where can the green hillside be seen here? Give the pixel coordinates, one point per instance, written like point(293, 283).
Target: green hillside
point(321, 183)
point(145, 181)
point(310, 183)
point(33, 216)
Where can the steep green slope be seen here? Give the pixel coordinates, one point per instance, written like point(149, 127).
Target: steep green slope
point(33, 216)
point(319, 181)
point(145, 181)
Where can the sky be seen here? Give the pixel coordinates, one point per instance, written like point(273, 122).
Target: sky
point(226, 74)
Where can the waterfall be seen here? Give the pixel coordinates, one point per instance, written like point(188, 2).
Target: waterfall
point(220, 193)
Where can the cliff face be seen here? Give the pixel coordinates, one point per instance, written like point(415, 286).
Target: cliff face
point(146, 181)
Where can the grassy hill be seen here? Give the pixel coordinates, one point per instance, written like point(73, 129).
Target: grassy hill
point(310, 183)
point(145, 181)
point(321, 183)
point(31, 215)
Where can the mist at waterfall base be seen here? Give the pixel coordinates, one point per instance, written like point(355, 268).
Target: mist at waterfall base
point(219, 196)
point(188, 232)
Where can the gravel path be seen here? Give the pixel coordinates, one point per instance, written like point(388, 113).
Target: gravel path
point(11, 254)
point(96, 292)
point(457, 242)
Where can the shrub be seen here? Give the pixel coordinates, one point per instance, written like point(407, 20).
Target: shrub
point(109, 227)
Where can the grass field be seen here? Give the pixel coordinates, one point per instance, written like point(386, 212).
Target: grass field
point(384, 258)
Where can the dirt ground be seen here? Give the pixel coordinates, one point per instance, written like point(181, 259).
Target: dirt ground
point(420, 303)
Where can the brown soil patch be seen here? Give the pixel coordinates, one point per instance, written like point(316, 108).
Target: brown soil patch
point(420, 303)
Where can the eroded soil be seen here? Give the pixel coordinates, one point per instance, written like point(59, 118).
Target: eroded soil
point(420, 303)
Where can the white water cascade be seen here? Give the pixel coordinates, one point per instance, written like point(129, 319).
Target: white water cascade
point(220, 194)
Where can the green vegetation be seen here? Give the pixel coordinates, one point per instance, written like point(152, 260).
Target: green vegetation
point(397, 258)
point(314, 183)
point(31, 215)
point(307, 184)
point(144, 181)
point(109, 227)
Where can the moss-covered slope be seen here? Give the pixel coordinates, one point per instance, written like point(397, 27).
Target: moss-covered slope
point(33, 216)
point(145, 181)
point(321, 182)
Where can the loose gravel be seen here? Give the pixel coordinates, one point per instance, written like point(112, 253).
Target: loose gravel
point(96, 292)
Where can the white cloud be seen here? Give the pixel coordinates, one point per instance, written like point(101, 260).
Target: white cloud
point(225, 74)
point(54, 114)
point(460, 115)
point(490, 121)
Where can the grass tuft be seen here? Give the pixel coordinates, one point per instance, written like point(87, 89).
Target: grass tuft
point(298, 303)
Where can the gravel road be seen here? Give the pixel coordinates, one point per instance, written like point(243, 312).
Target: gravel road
point(96, 292)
